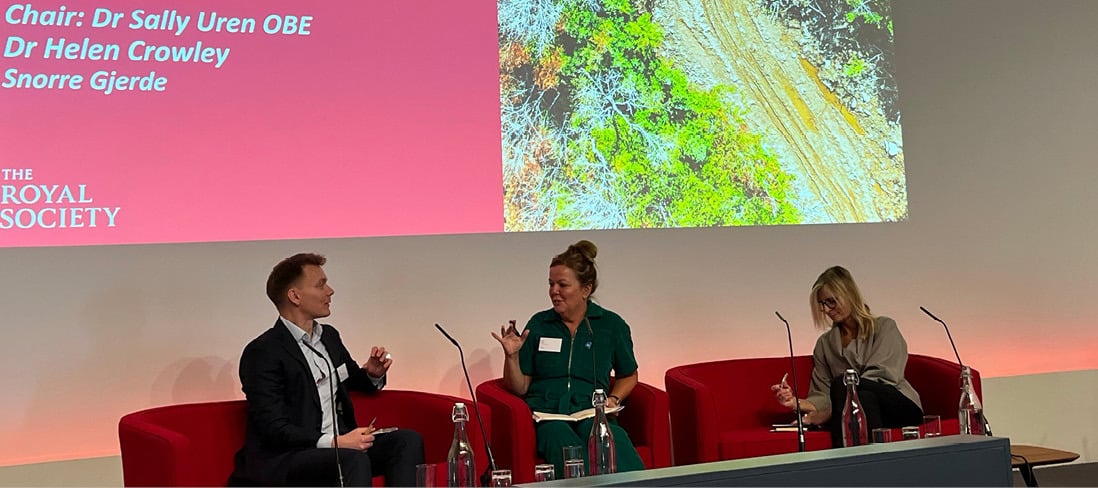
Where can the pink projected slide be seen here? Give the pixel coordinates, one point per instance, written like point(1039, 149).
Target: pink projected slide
point(149, 122)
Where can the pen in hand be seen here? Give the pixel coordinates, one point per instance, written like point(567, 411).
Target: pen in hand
point(782, 385)
point(785, 386)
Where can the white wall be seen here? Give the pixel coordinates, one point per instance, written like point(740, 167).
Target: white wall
point(1046, 410)
point(1000, 137)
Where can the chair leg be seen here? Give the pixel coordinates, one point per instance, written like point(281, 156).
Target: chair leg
point(1027, 474)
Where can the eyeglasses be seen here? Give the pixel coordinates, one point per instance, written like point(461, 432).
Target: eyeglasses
point(828, 303)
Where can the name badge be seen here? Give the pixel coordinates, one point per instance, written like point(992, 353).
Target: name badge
point(341, 372)
point(550, 344)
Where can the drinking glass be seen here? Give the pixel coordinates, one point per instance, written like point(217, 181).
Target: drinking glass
point(425, 475)
point(882, 435)
point(573, 462)
point(910, 432)
point(544, 472)
point(932, 426)
point(501, 477)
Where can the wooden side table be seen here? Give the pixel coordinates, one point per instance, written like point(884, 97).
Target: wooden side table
point(1025, 458)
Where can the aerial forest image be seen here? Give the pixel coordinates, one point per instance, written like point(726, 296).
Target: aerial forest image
point(693, 113)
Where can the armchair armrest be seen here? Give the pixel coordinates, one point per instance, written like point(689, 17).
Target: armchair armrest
point(150, 453)
point(648, 423)
point(181, 445)
point(693, 419)
point(512, 425)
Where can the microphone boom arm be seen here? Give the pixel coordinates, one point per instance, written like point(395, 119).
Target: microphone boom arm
point(983, 418)
point(486, 477)
point(950, 336)
point(796, 394)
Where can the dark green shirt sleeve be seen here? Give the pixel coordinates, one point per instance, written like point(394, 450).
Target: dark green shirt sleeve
point(625, 362)
point(526, 354)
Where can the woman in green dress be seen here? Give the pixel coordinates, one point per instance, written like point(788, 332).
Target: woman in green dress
point(568, 351)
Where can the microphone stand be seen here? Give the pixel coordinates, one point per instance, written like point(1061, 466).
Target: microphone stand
point(983, 418)
point(485, 478)
point(335, 419)
point(796, 394)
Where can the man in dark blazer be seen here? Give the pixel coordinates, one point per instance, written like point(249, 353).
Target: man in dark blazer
point(293, 421)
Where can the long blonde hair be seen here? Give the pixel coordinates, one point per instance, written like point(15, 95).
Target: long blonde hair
point(841, 283)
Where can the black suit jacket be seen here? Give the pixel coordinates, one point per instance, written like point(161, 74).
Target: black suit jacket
point(284, 410)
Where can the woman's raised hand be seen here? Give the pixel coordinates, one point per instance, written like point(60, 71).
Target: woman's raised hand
point(784, 394)
point(510, 338)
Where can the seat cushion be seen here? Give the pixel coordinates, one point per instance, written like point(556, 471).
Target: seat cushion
point(745, 443)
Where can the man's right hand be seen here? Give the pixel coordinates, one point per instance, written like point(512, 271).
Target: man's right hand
point(359, 439)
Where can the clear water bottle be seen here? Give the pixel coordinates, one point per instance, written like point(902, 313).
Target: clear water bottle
point(600, 445)
point(970, 412)
point(854, 424)
point(461, 470)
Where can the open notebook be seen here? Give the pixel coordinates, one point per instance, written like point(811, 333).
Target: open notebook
point(792, 427)
point(574, 417)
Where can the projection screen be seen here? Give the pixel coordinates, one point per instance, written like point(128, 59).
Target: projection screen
point(202, 121)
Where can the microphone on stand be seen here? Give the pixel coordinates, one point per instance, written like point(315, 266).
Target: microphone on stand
point(987, 425)
point(796, 394)
point(335, 419)
point(485, 478)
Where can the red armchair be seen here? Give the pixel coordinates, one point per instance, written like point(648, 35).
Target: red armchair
point(645, 419)
point(194, 444)
point(723, 409)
